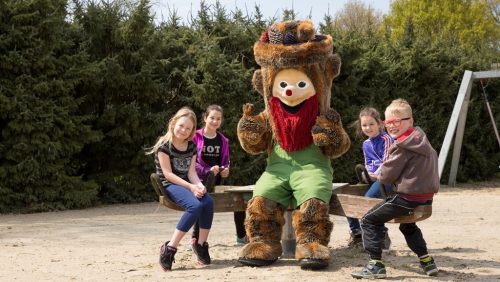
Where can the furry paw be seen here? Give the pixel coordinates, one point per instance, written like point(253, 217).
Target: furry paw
point(333, 116)
point(247, 110)
point(265, 252)
point(328, 129)
point(250, 127)
point(253, 132)
point(313, 250)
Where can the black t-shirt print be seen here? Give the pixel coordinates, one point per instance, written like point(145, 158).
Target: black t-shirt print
point(211, 153)
point(180, 161)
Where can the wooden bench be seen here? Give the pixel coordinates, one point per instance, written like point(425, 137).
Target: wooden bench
point(223, 202)
point(347, 200)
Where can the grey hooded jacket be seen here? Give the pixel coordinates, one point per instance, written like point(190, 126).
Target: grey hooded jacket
point(412, 165)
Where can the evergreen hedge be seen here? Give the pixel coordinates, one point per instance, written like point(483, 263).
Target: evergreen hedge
point(86, 87)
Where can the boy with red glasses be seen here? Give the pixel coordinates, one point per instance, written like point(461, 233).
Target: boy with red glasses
point(413, 167)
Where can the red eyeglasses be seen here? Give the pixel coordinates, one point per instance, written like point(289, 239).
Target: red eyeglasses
point(395, 121)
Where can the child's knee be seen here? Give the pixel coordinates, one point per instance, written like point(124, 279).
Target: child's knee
point(366, 221)
point(408, 227)
point(195, 208)
point(207, 203)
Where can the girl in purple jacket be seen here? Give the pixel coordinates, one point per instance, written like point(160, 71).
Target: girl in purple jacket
point(213, 158)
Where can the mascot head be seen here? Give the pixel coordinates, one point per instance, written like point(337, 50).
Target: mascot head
point(295, 79)
point(292, 51)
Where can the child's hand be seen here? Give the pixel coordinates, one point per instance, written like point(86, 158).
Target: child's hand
point(224, 172)
point(215, 169)
point(198, 190)
point(201, 187)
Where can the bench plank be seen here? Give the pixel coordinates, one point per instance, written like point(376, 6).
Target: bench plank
point(225, 202)
point(357, 206)
point(347, 200)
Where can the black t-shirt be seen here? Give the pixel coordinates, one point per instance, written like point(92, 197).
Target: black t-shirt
point(180, 161)
point(211, 150)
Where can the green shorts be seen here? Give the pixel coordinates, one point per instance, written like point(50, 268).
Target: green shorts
point(293, 178)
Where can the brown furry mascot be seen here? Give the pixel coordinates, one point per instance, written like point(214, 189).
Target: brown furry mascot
point(300, 133)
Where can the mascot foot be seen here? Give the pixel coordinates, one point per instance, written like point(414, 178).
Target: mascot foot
point(260, 253)
point(255, 262)
point(312, 256)
point(313, 264)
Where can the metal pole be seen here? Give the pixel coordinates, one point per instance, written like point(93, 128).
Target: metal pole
point(288, 242)
point(493, 122)
point(457, 109)
point(458, 138)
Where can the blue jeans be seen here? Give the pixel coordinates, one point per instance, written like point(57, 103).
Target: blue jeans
point(373, 192)
point(194, 208)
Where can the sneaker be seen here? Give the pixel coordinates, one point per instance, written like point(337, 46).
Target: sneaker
point(429, 266)
point(375, 269)
point(241, 241)
point(355, 240)
point(387, 243)
point(201, 252)
point(167, 254)
point(191, 245)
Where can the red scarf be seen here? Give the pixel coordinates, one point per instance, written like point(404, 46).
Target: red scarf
point(294, 130)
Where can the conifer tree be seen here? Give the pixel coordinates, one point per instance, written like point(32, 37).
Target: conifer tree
point(124, 95)
point(41, 132)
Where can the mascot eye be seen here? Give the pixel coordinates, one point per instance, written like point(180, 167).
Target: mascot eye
point(302, 84)
point(283, 84)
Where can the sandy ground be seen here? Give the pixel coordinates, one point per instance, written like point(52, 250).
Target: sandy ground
point(121, 242)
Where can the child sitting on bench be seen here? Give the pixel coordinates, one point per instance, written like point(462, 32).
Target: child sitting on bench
point(175, 158)
point(375, 151)
point(212, 163)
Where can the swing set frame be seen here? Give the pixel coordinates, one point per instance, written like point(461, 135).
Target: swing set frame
point(457, 122)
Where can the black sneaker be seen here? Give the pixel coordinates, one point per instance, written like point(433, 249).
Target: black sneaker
point(201, 252)
point(374, 270)
point(209, 182)
point(167, 254)
point(429, 266)
point(355, 240)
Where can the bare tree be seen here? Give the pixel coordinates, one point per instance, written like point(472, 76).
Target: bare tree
point(356, 16)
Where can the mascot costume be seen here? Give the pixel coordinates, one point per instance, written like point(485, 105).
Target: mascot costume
point(300, 133)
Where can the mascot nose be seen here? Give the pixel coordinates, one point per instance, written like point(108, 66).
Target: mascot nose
point(288, 92)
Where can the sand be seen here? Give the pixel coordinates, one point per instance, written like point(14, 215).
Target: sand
point(121, 243)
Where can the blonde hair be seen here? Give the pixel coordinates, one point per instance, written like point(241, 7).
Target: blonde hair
point(367, 112)
point(399, 107)
point(183, 112)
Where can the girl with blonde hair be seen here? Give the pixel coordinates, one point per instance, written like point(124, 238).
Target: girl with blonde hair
point(175, 159)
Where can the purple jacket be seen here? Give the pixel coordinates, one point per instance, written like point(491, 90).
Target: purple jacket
point(376, 151)
point(201, 167)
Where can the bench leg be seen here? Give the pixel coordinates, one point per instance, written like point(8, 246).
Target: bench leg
point(288, 242)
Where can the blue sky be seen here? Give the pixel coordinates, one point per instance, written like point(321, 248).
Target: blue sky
point(270, 8)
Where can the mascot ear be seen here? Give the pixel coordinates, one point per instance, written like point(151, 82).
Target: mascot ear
point(257, 82)
point(333, 66)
